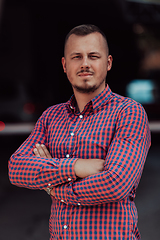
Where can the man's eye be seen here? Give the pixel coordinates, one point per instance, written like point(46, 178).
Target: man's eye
point(76, 57)
point(94, 56)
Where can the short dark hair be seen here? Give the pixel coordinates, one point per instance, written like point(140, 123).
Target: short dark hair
point(85, 29)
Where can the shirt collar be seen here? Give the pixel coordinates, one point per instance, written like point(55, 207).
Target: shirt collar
point(102, 98)
point(97, 102)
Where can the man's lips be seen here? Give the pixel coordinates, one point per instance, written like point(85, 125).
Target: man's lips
point(85, 74)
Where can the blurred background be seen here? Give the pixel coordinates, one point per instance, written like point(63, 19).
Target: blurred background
point(32, 35)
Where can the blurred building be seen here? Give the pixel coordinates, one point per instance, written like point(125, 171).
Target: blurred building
point(32, 33)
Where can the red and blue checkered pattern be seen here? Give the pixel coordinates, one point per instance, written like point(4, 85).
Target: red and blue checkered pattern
point(100, 206)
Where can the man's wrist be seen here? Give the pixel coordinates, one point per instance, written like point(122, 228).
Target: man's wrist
point(48, 190)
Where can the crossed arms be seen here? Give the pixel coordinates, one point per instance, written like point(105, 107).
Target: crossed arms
point(82, 167)
point(94, 181)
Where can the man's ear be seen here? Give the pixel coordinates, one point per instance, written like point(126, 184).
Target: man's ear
point(110, 60)
point(64, 64)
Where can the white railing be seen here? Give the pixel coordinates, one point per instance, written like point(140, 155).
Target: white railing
point(26, 128)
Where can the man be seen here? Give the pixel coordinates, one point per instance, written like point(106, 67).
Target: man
point(88, 153)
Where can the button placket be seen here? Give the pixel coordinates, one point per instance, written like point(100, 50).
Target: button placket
point(72, 134)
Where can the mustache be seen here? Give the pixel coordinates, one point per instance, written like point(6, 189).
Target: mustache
point(85, 71)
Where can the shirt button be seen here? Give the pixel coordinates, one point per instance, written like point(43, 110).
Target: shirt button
point(62, 200)
point(81, 116)
point(49, 184)
point(65, 226)
point(72, 134)
point(67, 156)
point(69, 179)
point(78, 204)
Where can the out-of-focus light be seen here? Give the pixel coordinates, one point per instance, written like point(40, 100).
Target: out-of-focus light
point(2, 126)
point(141, 90)
point(138, 29)
point(29, 108)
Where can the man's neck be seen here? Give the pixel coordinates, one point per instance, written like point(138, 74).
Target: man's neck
point(83, 98)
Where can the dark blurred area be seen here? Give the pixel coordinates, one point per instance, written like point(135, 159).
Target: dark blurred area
point(32, 35)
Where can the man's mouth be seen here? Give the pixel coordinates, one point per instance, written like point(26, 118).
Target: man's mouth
point(85, 74)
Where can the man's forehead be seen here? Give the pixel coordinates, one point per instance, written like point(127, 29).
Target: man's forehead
point(92, 41)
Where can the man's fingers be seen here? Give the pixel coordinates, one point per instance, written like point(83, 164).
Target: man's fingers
point(36, 152)
point(41, 151)
point(48, 155)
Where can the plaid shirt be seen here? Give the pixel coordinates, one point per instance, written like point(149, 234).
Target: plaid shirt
point(100, 206)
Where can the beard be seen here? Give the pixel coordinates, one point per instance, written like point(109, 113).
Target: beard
point(87, 88)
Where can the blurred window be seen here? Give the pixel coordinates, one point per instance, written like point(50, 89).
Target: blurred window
point(142, 90)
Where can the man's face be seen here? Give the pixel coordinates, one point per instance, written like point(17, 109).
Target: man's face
point(86, 62)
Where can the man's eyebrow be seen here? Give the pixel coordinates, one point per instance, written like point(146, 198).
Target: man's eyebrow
point(75, 53)
point(95, 53)
point(90, 53)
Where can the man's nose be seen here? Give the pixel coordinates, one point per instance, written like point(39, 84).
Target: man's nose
point(85, 63)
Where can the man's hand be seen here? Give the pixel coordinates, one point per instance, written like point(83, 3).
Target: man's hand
point(41, 151)
point(86, 167)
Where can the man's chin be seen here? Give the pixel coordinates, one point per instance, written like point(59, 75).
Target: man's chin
point(88, 89)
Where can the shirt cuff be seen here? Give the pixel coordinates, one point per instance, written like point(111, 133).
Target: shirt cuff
point(66, 169)
point(62, 193)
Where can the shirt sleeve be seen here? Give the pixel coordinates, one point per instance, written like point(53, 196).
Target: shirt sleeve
point(123, 165)
point(27, 170)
